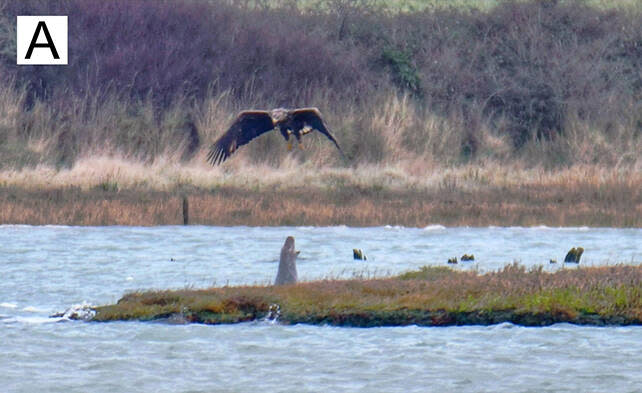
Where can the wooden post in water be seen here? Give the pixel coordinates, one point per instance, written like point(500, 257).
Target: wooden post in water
point(185, 211)
point(287, 264)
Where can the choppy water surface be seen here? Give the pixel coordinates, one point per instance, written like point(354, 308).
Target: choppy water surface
point(47, 269)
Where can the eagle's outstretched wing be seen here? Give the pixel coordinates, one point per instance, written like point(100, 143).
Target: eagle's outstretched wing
point(247, 126)
point(311, 117)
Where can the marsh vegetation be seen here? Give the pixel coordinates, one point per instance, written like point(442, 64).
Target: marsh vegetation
point(429, 296)
point(539, 82)
point(543, 94)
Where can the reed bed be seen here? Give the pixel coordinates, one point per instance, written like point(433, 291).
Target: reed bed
point(112, 193)
point(435, 296)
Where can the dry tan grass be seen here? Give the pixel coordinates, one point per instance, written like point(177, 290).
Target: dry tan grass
point(167, 174)
point(408, 171)
point(265, 197)
point(391, 131)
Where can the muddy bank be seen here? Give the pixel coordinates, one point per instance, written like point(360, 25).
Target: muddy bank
point(366, 319)
point(353, 206)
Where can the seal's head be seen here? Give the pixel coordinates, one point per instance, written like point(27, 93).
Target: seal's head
point(289, 243)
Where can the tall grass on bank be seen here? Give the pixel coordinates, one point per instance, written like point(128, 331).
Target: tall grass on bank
point(168, 175)
point(431, 296)
point(538, 83)
point(112, 192)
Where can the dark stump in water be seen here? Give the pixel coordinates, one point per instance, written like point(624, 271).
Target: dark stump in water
point(574, 255)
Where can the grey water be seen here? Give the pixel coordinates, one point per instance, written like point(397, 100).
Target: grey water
point(49, 268)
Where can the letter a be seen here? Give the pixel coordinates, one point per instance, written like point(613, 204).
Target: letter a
point(42, 26)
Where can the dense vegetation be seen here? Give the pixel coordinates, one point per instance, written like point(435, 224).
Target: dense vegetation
point(430, 296)
point(572, 199)
point(551, 83)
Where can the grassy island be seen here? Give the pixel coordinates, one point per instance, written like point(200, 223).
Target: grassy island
point(431, 296)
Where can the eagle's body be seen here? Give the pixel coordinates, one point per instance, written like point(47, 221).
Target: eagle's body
point(250, 124)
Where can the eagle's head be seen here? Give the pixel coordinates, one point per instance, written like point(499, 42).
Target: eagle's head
point(279, 114)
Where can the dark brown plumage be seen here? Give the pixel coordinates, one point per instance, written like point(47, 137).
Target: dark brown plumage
point(250, 124)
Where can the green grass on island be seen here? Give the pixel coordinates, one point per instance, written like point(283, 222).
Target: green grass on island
point(431, 296)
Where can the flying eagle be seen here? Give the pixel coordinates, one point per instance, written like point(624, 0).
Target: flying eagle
point(250, 124)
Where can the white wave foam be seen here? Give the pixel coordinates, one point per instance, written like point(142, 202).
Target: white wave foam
point(8, 305)
point(393, 227)
point(503, 325)
point(434, 227)
point(33, 309)
point(82, 312)
point(27, 226)
point(33, 320)
point(273, 314)
point(545, 228)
